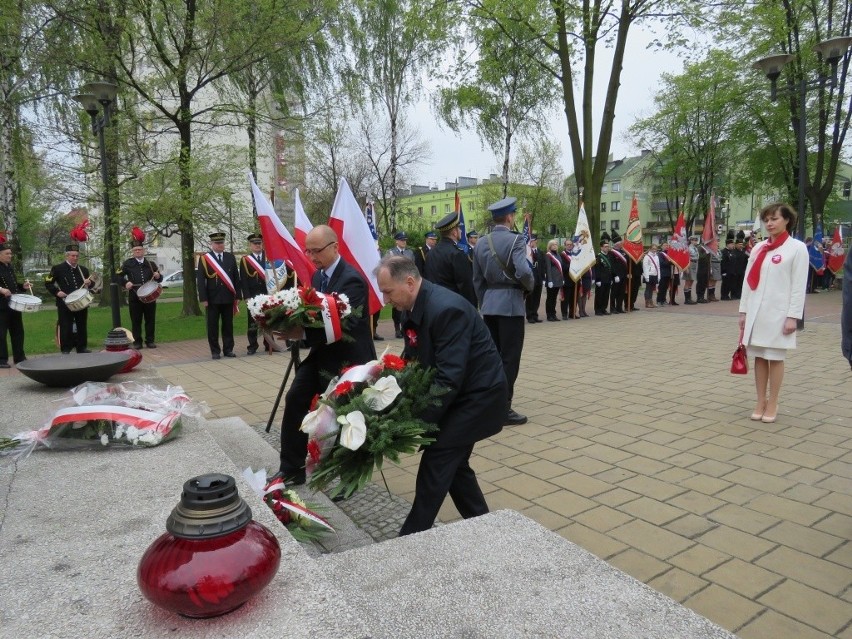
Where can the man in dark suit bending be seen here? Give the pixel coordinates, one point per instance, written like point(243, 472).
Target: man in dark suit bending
point(449, 336)
point(325, 359)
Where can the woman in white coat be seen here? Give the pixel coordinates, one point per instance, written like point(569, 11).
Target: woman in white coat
point(773, 298)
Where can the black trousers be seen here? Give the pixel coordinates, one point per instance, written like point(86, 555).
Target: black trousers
point(224, 314)
point(601, 297)
point(67, 319)
point(11, 322)
point(508, 335)
point(533, 301)
point(140, 311)
point(617, 295)
point(567, 304)
point(550, 301)
point(397, 319)
point(443, 471)
point(307, 382)
point(663, 288)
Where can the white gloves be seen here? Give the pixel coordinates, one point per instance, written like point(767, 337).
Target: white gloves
point(550, 285)
point(617, 279)
point(597, 283)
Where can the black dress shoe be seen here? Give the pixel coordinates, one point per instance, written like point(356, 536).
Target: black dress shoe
point(230, 354)
point(378, 338)
point(515, 419)
point(605, 313)
point(137, 345)
point(398, 334)
point(531, 321)
point(85, 350)
point(338, 498)
point(4, 365)
point(217, 356)
point(251, 351)
point(151, 345)
point(290, 478)
point(66, 352)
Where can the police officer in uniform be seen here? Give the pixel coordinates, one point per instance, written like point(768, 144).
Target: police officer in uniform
point(134, 272)
point(64, 279)
point(472, 238)
point(11, 321)
point(431, 238)
point(501, 275)
point(218, 281)
point(448, 266)
point(401, 249)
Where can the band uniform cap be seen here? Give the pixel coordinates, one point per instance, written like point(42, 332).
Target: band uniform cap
point(218, 236)
point(694, 237)
point(430, 235)
point(740, 235)
point(136, 243)
point(605, 237)
point(472, 234)
point(72, 247)
point(254, 238)
point(402, 235)
point(533, 236)
point(503, 207)
point(615, 236)
point(448, 222)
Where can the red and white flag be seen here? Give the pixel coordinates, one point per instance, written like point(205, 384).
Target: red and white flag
point(835, 255)
point(277, 241)
point(708, 233)
point(678, 244)
point(303, 224)
point(632, 243)
point(357, 245)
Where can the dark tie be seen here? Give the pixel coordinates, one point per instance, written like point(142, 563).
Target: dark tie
point(323, 281)
point(219, 257)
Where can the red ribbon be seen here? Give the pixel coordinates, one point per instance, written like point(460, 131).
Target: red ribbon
point(753, 278)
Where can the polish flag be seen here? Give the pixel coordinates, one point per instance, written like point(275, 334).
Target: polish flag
point(277, 241)
point(836, 256)
point(303, 224)
point(679, 245)
point(357, 245)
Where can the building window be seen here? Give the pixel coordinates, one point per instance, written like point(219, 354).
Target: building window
point(614, 224)
point(603, 189)
point(446, 208)
point(420, 211)
point(615, 206)
point(603, 207)
point(603, 226)
point(471, 206)
point(434, 209)
point(616, 187)
point(847, 189)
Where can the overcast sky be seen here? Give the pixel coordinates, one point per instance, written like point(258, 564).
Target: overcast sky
point(456, 155)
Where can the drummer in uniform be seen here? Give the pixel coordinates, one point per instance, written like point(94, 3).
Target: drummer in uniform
point(11, 321)
point(64, 279)
point(219, 290)
point(135, 272)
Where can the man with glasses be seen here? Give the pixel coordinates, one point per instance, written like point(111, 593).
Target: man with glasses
point(325, 359)
point(219, 290)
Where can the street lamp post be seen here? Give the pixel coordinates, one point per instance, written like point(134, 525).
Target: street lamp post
point(97, 97)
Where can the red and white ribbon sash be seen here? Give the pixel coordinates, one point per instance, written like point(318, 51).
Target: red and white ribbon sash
point(331, 319)
point(296, 508)
point(256, 266)
point(619, 256)
point(141, 419)
point(556, 262)
point(214, 264)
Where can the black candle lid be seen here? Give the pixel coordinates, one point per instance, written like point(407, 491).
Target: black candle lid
point(209, 506)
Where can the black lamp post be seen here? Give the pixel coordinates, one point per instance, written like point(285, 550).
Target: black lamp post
point(830, 51)
point(97, 99)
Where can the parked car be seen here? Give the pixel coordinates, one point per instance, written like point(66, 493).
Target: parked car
point(173, 280)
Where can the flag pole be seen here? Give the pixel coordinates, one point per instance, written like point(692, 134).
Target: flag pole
point(630, 286)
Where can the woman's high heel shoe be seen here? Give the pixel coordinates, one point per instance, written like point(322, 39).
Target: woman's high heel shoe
point(756, 417)
point(767, 419)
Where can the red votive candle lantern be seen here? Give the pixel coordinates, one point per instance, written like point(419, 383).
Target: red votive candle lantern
point(118, 341)
point(213, 557)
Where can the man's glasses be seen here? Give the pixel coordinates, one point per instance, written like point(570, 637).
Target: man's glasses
point(310, 251)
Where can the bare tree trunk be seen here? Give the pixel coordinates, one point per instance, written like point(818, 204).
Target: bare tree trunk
point(185, 225)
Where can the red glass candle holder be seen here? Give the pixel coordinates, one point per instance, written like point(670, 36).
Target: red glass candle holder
point(213, 557)
point(117, 341)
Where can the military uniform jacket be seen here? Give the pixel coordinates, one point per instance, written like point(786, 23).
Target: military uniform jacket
point(538, 265)
point(497, 292)
point(252, 283)
point(604, 270)
point(64, 278)
point(420, 256)
point(452, 338)
point(406, 252)
point(727, 261)
point(619, 264)
point(135, 273)
point(211, 288)
point(449, 267)
point(8, 280)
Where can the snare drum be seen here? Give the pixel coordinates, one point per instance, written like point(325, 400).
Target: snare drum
point(149, 292)
point(79, 300)
point(24, 303)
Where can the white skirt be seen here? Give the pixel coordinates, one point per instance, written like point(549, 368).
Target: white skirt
point(773, 354)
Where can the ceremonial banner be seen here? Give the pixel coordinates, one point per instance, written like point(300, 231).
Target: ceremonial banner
point(357, 245)
point(303, 224)
point(277, 241)
point(463, 239)
point(836, 255)
point(369, 214)
point(815, 256)
point(632, 242)
point(583, 255)
point(678, 244)
point(708, 233)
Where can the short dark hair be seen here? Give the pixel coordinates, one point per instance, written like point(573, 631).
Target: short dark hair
point(398, 267)
point(786, 211)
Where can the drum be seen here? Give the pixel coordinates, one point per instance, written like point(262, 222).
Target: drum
point(24, 303)
point(149, 292)
point(79, 299)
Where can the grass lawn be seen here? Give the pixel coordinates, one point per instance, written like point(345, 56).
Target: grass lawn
point(40, 327)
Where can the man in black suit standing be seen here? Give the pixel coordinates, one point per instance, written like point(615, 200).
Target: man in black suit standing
point(64, 279)
point(325, 359)
point(218, 291)
point(452, 338)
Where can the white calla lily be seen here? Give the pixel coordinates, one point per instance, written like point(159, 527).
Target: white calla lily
point(316, 419)
point(354, 430)
point(382, 394)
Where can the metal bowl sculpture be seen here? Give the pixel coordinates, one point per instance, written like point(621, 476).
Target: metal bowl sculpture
point(65, 371)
